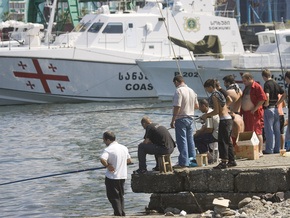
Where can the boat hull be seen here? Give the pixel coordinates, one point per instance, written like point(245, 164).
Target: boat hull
point(195, 73)
point(49, 80)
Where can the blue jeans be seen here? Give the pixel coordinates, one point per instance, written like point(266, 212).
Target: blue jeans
point(184, 140)
point(272, 130)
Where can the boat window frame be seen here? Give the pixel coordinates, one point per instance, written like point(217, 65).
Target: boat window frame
point(272, 39)
point(93, 28)
point(265, 39)
point(113, 28)
point(82, 27)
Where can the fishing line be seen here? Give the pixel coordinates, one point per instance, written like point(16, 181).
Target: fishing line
point(279, 53)
point(52, 175)
point(167, 30)
point(191, 57)
point(111, 110)
point(177, 60)
point(163, 114)
point(59, 174)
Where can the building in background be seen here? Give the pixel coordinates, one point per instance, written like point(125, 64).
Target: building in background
point(263, 11)
point(246, 11)
point(17, 10)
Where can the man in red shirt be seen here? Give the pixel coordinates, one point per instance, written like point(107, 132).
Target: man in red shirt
point(252, 107)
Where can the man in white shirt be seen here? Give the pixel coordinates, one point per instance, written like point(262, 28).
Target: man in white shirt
point(206, 134)
point(184, 103)
point(115, 158)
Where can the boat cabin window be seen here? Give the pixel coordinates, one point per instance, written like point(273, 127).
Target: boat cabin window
point(81, 27)
point(287, 38)
point(265, 40)
point(114, 28)
point(95, 28)
point(272, 39)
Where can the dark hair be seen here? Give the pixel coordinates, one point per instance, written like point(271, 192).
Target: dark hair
point(178, 78)
point(229, 79)
point(203, 102)
point(109, 135)
point(266, 73)
point(287, 74)
point(217, 84)
point(209, 83)
point(145, 120)
point(247, 76)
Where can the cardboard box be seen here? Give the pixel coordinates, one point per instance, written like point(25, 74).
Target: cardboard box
point(247, 151)
point(247, 146)
point(247, 138)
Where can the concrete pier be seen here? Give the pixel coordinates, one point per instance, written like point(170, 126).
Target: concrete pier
point(193, 189)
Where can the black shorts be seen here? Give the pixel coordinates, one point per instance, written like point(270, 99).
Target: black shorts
point(282, 121)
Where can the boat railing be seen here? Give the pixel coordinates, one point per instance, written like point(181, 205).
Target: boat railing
point(21, 38)
point(225, 13)
point(250, 47)
point(12, 39)
point(264, 60)
point(209, 55)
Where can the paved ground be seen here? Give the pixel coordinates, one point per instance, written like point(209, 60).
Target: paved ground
point(269, 160)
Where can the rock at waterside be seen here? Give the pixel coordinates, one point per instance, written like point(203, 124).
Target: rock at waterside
point(168, 214)
point(221, 202)
point(244, 202)
point(172, 210)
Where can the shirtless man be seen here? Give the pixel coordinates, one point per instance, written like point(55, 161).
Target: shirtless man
point(234, 92)
point(252, 107)
point(217, 102)
point(238, 127)
point(218, 87)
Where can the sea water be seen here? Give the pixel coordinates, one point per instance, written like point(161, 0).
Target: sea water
point(46, 139)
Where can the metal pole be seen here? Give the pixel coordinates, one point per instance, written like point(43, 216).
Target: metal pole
point(249, 12)
point(269, 11)
point(238, 12)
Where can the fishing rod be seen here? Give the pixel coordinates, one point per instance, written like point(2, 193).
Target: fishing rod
point(188, 49)
point(280, 59)
point(64, 173)
point(52, 175)
point(60, 174)
point(279, 53)
point(112, 110)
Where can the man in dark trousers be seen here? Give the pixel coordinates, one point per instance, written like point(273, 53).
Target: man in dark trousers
point(115, 158)
point(157, 141)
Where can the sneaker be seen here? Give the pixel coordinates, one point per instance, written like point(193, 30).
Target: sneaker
point(155, 168)
point(222, 165)
point(232, 164)
point(193, 164)
point(261, 154)
point(193, 160)
point(139, 171)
